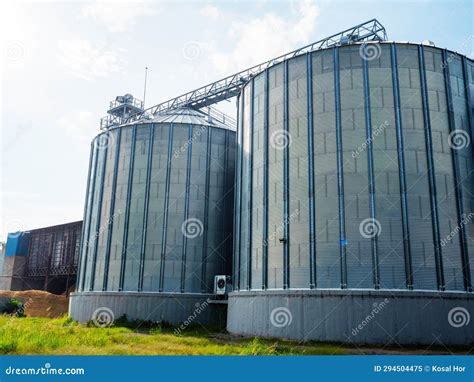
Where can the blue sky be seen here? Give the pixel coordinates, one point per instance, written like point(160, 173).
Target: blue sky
point(62, 62)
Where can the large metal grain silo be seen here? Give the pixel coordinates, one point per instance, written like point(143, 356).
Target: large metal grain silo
point(158, 219)
point(354, 197)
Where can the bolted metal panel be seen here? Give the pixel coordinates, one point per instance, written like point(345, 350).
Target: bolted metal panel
point(370, 169)
point(276, 142)
point(166, 209)
point(127, 210)
point(147, 204)
point(250, 184)
point(205, 248)
point(237, 200)
point(245, 196)
point(110, 219)
point(311, 201)
point(265, 185)
point(186, 206)
point(286, 189)
point(340, 171)
point(327, 241)
point(461, 266)
point(98, 213)
point(431, 170)
point(297, 191)
point(401, 166)
point(468, 80)
point(257, 186)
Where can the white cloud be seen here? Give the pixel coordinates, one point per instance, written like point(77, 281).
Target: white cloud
point(210, 11)
point(118, 16)
point(265, 37)
point(88, 60)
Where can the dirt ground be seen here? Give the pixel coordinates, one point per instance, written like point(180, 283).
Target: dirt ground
point(40, 303)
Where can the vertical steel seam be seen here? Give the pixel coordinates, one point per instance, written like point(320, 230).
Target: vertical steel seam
point(186, 206)
point(312, 217)
point(468, 98)
point(250, 185)
point(431, 170)
point(146, 207)
point(265, 184)
point(237, 208)
point(401, 168)
point(240, 176)
point(471, 127)
point(286, 188)
point(204, 288)
point(87, 208)
point(111, 211)
point(99, 212)
point(370, 165)
point(457, 178)
point(340, 171)
point(131, 166)
point(165, 209)
point(224, 237)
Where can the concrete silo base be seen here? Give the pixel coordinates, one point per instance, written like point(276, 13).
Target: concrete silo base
point(172, 308)
point(355, 316)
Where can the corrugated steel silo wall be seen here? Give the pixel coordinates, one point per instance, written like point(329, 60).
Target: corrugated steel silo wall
point(355, 170)
point(158, 213)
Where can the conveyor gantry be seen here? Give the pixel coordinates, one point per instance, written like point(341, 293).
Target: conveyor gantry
point(230, 86)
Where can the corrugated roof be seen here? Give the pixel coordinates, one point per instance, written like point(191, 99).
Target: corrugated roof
point(186, 116)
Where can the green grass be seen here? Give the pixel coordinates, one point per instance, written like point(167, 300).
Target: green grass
point(64, 336)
